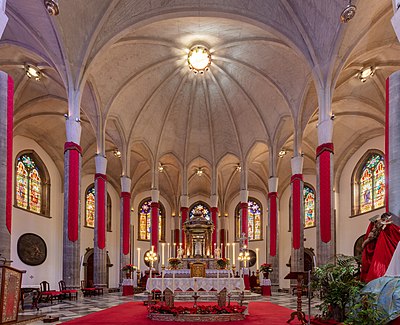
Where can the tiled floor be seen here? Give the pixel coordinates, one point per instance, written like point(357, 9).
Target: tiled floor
point(68, 310)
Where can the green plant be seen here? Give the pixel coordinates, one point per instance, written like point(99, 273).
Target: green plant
point(266, 268)
point(365, 311)
point(339, 286)
point(222, 263)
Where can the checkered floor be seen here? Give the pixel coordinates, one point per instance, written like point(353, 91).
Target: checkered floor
point(68, 310)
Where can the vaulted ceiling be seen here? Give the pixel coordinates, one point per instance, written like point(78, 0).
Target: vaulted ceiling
point(270, 58)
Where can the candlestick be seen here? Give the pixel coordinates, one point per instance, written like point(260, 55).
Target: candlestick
point(162, 253)
point(227, 246)
point(233, 254)
point(138, 258)
point(152, 248)
point(174, 250)
point(256, 258)
point(169, 252)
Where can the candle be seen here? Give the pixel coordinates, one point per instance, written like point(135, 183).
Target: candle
point(162, 253)
point(233, 254)
point(222, 250)
point(152, 248)
point(227, 246)
point(169, 252)
point(138, 258)
point(256, 258)
point(174, 250)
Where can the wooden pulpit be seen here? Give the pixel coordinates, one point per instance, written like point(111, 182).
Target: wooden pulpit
point(10, 293)
point(299, 276)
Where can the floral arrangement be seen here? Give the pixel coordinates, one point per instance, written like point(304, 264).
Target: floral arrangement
point(266, 268)
point(174, 262)
point(222, 263)
point(164, 309)
point(128, 268)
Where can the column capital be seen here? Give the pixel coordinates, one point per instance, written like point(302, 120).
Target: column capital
point(74, 129)
point(273, 184)
point(297, 165)
point(325, 131)
point(185, 201)
point(101, 164)
point(125, 184)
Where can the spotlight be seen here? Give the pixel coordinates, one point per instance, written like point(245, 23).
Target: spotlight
point(32, 71)
point(160, 168)
point(117, 153)
point(365, 73)
point(282, 153)
point(52, 7)
point(199, 172)
point(348, 13)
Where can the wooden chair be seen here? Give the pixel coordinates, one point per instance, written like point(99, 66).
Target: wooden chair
point(99, 290)
point(48, 295)
point(67, 292)
point(86, 290)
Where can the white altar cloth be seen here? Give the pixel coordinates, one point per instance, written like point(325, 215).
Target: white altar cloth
point(195, 284)
point(185, 273)
point(132, 281)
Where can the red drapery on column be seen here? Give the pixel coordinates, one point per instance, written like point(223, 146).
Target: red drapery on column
point(154, 225)
point(244, 206)
point(126, 219)
point(10, 125)
point(74, 151)
point(387, 148)
point(214, 214)
point(101, 194)
point(184, 214)
point(296, 206)
point(272, 197)
point(324, 152)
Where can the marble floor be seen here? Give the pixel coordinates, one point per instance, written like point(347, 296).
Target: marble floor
point(68, 310)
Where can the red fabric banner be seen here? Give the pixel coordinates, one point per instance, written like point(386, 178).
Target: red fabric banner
point(184, 214)
point(387, 147)
point(214, 214)
point(244, 206)
point(10, 164)
point(325, 193)
point(273, 213)
point(73, 190)
point(296, 206)
point(222, 239)
point(101, 194)
point(154, 225)
point(126, 221)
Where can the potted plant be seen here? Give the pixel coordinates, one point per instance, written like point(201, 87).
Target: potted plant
point(174, 263)
point(365, 311)
point(222, 263)
point(266, 269)
point(339, 286)
point(128, 269)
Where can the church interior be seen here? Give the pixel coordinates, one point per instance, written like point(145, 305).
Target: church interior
point(250, 131)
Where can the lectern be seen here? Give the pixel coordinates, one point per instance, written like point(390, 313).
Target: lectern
point(10, 293)
point(299, 276)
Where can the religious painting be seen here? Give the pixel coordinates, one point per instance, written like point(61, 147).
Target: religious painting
point(31, 249)
point(202, 207)
point(309, 206)
point(145, 221)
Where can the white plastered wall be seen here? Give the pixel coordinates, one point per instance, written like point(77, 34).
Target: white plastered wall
point(27, 222)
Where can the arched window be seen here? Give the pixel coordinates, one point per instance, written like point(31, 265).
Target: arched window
point(200, 206)
point(90, 206)
point(369, 183)
point(145, 220)
point(309, 206)
point(254, 215)
point(31, 183)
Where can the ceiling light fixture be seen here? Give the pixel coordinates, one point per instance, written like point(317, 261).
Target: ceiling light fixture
point(199, 171)
point(199, 59)
point(117, 153)
point(160, 168)
point(32, 71)
point(365, 73)
point(52, 7)
point(238, 168)
point(282, 153)
point(348, 13)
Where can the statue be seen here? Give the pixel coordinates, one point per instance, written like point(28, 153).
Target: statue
point(379, 225)
point(217, 253)
point(180, 252)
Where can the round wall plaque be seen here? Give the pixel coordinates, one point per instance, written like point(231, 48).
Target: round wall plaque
point(31, 249)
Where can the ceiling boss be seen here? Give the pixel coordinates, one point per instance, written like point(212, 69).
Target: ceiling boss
point(199, 59)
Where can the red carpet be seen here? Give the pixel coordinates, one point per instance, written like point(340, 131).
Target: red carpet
point(261, 313)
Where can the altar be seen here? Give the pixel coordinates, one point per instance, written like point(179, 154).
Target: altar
point(185, 273)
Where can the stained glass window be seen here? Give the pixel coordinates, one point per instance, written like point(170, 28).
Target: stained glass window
point(254, 217)
point(90, 206)
point(200, 206)
point(145, 221)
point(372, 184)
point(309, 206)
point(29, 184)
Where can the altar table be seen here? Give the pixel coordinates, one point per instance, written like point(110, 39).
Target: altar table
point(185, 273)
point(195, 284)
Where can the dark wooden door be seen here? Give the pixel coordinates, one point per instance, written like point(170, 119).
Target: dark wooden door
point(89, 269)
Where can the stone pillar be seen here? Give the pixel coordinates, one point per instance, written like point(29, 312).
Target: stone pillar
point(325, 198)
point(6, 161)
point(273, 254)
point(184, 215)
point(72, 204)
point(100, 252)
point(125, 224)
point(244, 206)
point(3, 16)
point(297, 197)
point(155, 206)
point(214, 218)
